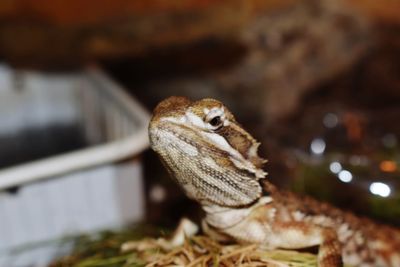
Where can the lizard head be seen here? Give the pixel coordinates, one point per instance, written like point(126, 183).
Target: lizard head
point(208, 153)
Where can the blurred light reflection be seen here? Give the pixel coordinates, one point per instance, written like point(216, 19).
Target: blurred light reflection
point(335, 167)
point(380, 189)
point(318, 146)
point(330, 120)
point(389, 140)
point(388, 166)
point(345, 176)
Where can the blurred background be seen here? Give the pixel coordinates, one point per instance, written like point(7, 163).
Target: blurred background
point(317, 82)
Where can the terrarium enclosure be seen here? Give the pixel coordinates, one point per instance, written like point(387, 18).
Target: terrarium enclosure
point(316, 82)
point(68, 143)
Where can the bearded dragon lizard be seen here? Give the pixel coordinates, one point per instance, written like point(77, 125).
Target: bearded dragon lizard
point(216, 163)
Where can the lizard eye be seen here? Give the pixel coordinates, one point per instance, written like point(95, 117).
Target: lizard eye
point(216, 122)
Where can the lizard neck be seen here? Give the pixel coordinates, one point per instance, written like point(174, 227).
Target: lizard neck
point(222, 217)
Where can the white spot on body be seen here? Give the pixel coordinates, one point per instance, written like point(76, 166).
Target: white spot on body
point(377, 245)
point(344, 232)
point(359, 239)
point(323, 220)
point(298, 216)
point(352, 259)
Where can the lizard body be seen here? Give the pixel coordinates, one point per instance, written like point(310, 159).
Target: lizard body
point(216, 163)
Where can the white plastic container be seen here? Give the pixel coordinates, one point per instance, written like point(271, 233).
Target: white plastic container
point(80, 190)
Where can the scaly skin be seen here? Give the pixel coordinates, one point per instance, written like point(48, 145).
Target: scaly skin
point(216, 163)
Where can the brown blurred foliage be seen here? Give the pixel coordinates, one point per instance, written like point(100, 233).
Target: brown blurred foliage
point(70, 32)
point(384, 11)
point(79, 13)
point(57, 33)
